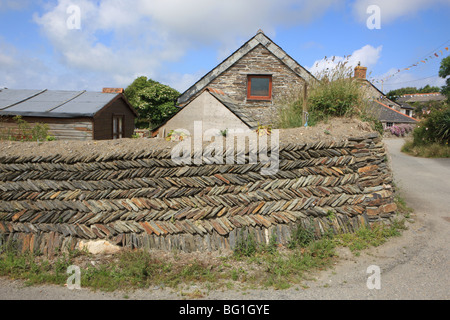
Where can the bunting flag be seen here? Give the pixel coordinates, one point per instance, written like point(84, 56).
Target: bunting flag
point(433, 56)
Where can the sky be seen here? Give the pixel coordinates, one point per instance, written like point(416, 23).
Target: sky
point(89, 45)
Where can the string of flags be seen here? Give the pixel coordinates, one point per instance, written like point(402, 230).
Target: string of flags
point(425, 60)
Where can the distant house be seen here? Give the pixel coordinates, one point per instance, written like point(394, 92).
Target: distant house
point(420, 101)
point(389, 116)
point(421, 97)
point(251, 79)
point(71, 115)
point(406, 109)
point(387, 111)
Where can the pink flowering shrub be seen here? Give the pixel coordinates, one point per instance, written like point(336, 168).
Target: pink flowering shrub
point(400, 130)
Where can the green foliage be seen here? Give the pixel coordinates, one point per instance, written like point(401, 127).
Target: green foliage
point(26, 132)
point(302, 236)
point(290, 112)
point(435, 128)
point(337, 94)
point(394, 94)
point(431, 150)
point(444, 72)
point(154, 102)
point(224, 133)
point(368, 236)
point(256, 264)
point(431, 137)
point(338, 98)
point(245, 244)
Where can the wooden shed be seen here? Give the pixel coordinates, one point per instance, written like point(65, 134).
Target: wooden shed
point(71, 115)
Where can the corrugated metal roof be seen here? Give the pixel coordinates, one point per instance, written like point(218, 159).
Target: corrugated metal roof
point(53, 103)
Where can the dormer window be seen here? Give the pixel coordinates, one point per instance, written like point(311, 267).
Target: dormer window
point(259, 87)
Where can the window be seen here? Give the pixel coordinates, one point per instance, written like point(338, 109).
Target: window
point(259, 88)
point(389, 124)
point(118, 121)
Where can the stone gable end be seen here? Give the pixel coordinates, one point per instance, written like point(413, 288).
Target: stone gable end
point(258, 61)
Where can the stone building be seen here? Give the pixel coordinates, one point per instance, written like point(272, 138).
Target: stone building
point(254, 77)
point(388, 112)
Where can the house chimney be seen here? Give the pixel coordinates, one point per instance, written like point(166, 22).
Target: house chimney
point(360, 72)
point(113, 90)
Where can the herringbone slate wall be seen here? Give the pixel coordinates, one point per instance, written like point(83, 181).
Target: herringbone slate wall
point(145, 200)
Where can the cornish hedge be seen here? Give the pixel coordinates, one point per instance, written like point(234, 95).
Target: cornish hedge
point(145, 200)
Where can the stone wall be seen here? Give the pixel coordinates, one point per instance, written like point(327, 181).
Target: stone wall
point(144, 200)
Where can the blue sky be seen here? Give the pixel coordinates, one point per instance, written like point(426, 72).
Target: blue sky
point(177, 41)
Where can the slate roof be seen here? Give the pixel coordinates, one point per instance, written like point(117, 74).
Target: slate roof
point(422, 97)
point(259, 39)
point(55, 103)
point(404, 105)
point(388, 114)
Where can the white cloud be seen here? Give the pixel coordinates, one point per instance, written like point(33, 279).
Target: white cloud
point(391, 10)
point(142, 36)
point(367, 56)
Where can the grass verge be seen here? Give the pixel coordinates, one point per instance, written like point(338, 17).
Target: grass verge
point(431, 150)
point(251, 265)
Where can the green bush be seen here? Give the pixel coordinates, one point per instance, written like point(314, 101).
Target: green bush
point(435, 128)
point(302, 236)
point(290, 113)
point(26, 132)
point(338, 98)
point(336, 94)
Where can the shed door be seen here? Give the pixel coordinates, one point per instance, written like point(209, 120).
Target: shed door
point(118, 122)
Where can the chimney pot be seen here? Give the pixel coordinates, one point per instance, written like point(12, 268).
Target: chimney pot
point(113, 90)
point(360, 72)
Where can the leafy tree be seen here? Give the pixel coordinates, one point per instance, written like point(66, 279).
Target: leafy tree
point(154, 102)
point(394, 94)
point(444, 72)
point(429, 89)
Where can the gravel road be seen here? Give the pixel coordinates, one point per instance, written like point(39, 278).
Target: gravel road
point(413, 266)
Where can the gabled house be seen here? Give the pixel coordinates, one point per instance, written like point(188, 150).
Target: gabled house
point(254, 77)
point(389, 116)
point(70, 115)
point(420, 101)
point(388, 112)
